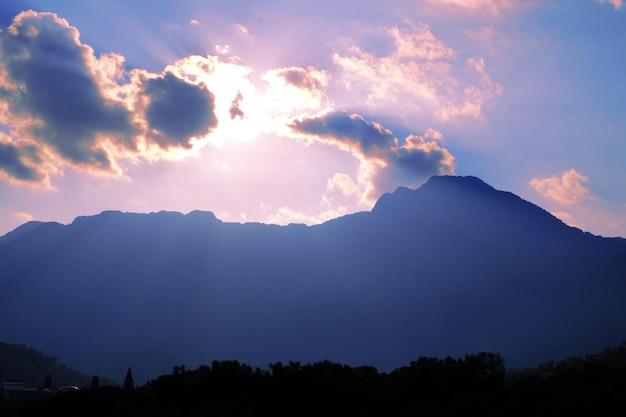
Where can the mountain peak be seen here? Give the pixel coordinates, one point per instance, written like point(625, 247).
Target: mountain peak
point(458, 181)
point(441, 188)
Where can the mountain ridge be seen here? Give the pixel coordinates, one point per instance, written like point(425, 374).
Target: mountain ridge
point(450, 268)
point(462, 183)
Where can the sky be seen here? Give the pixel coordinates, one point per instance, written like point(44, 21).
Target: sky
point(300, 112)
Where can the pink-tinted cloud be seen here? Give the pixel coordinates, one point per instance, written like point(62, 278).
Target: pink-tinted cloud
point(564, 216)
point(492, 39)
point(22, 216)
point(297, 88)
point(386, 162)
point(568, 219)
point(616, 3)
point(484, 35)
point(235, 111)
point(63, 106)
point(490, 7)
point(471, 103)
point(566, 189)
point(299, 77)
point(420, 75)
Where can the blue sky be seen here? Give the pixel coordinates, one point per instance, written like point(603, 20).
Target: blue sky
point(284, 112)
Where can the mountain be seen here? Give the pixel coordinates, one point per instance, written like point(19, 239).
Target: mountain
point(33, 366)
point(451, 268)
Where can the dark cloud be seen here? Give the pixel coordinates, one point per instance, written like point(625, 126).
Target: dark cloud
point(45, 60)
point(67, 106)
point(418, 161)
point(179, 110)
point(407, 163)
point(235, 111)
point(11, 163)
point(369, 137)
point(298, 77)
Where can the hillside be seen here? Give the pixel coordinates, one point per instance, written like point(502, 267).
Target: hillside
point(32, 365)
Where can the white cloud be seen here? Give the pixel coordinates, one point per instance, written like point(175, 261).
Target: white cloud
point(286, 215)
point(222, 49)
point(242, 28)
point(343, 183)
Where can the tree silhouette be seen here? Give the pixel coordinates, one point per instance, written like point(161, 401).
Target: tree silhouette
point(129, 382)
point(48, 382)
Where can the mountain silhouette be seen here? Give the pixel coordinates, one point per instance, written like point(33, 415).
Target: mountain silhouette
point(451, 268)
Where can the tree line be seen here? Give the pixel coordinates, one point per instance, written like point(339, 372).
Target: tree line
point(473, 385)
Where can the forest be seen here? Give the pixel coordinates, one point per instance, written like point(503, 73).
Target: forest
point(477, 384)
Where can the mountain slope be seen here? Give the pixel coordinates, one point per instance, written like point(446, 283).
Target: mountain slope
point(31, 365)
point(453, 267)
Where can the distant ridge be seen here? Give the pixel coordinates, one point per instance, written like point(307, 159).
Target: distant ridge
point(450, 268)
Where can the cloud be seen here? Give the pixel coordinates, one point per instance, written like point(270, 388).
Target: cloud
point(49, 92)
point(491, 39)
point(222, 49)
point(564, 216)
point(287, 215)
point(194, 22)
point(386, 162)
point(491, 7)
point(178, 111)
point(297, 88)
point(235, 111)
point(13, 167)
point(299, 77)
point(422, 158)
point(482, 35)
point(23, 217)
point(419, 75)
point(344, 183)
point(616, 3)
point(474, 96)
point(241, 28)
point(566, 189)
point(63, 106)
point(351, 132)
